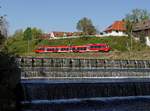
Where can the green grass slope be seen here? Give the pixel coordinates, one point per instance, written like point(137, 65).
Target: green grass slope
point(121, 44)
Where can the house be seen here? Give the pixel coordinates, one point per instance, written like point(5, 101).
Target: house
point(57, 34)
point(116, 29)
point(60, 35)
point(65, 34)
point(45, 36)
point(142, 29)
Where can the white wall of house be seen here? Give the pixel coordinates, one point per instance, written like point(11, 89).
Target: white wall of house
point(52, 34)
point(147, 41)
point(114, 33)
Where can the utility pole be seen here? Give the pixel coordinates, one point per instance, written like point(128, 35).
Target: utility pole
point(131, 40)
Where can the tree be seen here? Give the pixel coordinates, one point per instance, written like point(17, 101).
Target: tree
point(3, 30)
point(2, 39)
point(137, 15)
point(28, 34)
point(19, 34)
point(36, 33)
point(86, 26)
point(129, 29)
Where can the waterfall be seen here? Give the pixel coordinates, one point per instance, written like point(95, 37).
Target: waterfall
point(83, 68)
point(50, 90)
point(54, 79)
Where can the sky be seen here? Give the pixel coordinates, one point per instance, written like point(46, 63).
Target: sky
point(63, 15)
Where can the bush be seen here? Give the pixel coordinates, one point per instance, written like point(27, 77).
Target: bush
point(10, 77)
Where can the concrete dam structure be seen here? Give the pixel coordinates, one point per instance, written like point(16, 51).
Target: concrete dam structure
point(55, 79)
point(83, 68)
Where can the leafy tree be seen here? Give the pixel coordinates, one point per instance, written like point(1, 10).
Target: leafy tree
point(129, 28)
point(137, 15)
point(3, 30)
point(2, 39)
point(28, 34)
point(20, 42)
point(36, 33)
point(19, 34)
point(86, 26)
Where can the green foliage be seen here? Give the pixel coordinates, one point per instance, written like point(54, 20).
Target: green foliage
point(129, 28)
point(3, 26)
point(10, 77)
point(3, 31)
point(18, 35)
point(86, 26)
point(19, 44)
point(2, 39)
point(137, 15)
point(116, 43)
point(36, 33)
point(27, 34)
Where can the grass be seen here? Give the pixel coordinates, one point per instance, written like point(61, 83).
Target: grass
point(120, 48)
point(133, 55)
point(116, 43)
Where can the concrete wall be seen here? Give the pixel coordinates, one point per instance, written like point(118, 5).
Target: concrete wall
point(147, 41)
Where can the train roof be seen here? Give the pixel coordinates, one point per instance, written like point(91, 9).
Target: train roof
point(98, 44)
point(46, 46)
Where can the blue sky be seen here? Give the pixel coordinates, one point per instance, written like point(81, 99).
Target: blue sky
point(62, 15)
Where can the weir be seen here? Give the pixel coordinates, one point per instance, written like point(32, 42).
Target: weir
point(82, 68)
point(48, 79)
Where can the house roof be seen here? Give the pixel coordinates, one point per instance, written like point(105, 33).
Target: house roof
point(142, 25)
point(62, 34)
point(116, 26)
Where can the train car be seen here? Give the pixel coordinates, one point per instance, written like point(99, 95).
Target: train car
point(40, 49)
point(63, 49)
point(46, 49)
point(98, 47)
point(80, 49)
point(51, 49)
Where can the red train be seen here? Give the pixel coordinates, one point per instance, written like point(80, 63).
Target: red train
point(80, 49)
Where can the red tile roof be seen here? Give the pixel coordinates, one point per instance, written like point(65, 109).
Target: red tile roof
point(116, 26)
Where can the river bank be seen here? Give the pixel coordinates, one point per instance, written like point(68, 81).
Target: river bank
point(128, 55)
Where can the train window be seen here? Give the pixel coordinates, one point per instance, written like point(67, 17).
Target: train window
point(102, 46)
point(73, 48)
point(91, 47)
point(55, 49)
point(84, 48)
point(95, 46)
point(81, 48)
point(49, 49)
point(41, 48)
point(64, 49)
